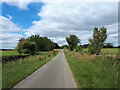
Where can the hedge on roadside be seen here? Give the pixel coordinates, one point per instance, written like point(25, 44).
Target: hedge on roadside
point(13, 58)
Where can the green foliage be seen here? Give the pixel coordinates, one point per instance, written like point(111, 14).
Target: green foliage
point(26, 47)
point(73, 41)
point(65, 47)
point(85, 46)
point(43, 43)
point(108, 45)
point(35, 43)
point(78, 48)
point(12, 58)
point(56, 46)
point(97, 42)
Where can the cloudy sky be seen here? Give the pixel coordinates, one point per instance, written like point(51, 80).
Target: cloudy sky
point(56, 20)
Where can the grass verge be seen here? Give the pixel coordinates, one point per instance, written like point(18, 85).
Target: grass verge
point(14, 72)
point(93, 72)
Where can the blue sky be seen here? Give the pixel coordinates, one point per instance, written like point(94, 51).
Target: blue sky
point(57, 20)
point(23, 18)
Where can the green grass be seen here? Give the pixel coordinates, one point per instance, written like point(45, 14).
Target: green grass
point(93, 72)
point(9, 53)
point(109, 50)
point(105, 50)
point(13, 72)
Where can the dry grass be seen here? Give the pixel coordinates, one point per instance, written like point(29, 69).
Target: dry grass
point(84, 56)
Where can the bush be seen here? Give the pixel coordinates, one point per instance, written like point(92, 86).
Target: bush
point(78, 48)
point(26, 47)
point(12, 58)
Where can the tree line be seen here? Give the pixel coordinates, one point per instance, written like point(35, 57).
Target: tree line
point(35, 43)
point(96, 43)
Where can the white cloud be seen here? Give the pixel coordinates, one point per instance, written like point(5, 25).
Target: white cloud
point(113, 34)
point(21, 4)
point(8, 25)
point(60, 1)
point(10, 17)
point(62, 19)
point(8, 39)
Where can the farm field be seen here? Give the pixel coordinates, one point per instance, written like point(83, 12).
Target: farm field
point(106, 50)
point(110, 50)
point(13, 72)
point(93, 72)
point(9, 53)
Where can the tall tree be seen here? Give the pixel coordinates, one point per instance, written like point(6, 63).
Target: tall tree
point(73, 41)
point(97, 41)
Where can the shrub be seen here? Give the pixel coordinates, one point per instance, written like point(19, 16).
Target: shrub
point(12, 58)
point(78, 48)
point(26, 47)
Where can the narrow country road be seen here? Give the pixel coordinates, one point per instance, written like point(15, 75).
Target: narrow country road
point(54, 74)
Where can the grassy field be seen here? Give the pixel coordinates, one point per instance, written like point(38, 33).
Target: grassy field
point(13, 72)
point(10, 53)
point(110, 50)
point(93, 72)
point(105, 50)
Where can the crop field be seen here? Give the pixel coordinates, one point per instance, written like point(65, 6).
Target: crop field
point(93, 71)
point(14, 72)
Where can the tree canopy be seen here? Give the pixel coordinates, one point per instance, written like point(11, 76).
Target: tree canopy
point(26, 47)
point(35, 43)
point(72, 41)
point(97, 41)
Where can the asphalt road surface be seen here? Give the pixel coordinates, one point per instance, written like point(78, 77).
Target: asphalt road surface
point(54, 74)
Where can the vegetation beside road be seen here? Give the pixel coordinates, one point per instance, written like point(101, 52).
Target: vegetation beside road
point(93, 71)
point(11, 56)
point(13, 72)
